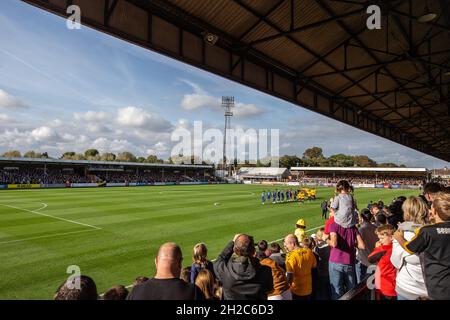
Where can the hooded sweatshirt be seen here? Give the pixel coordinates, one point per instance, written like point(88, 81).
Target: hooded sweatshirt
point(410, 282)
point(243, 278)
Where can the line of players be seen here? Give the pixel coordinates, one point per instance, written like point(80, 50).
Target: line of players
point(290, 195)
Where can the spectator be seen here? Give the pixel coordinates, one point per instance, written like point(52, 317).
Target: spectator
point(185, 274)
point(410, 283)
point(300, 231)
point(139, 280)
point(241, 274)
point(324, 207)
point(299, 263)
point(430, 190)
point(322, 252)
point(385, 272)
point(118, 292)
point(206, 283)
point(200, 261)
point(166, 285)
point(380, 219)
point(276, 255)
point(78, 288)
point(280, 286)
point(342, 258)
point(344, 206)
point(262, 247)
point(367, 232)
point(434, 242)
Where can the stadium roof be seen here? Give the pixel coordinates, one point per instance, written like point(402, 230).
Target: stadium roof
point(319, 54)
point(372, 169)
point(108, 163)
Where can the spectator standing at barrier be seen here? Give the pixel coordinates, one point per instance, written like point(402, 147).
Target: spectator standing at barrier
point(206, 283)
point(280, 285)
point(167, 285)
point(200, 261)
point(433, 241)
point(87, 289)
point(118, 292)
point(430, 190)
point(299, 264)
point(344, 206)
point(343, 258)
point(385, 272)
point(324, 207)
point(241, 274)
point(322, 253)
point(410, 283)
point(367, 232)
point(300, 230)
point(277, 255)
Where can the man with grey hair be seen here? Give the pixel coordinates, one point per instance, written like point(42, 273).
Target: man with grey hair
point(241, 274)
point(167, 285)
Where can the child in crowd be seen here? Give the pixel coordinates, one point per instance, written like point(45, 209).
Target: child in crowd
point(300, 231)
point(433, 241)
point(385, 272)
point(200, 261)
point(343, 205)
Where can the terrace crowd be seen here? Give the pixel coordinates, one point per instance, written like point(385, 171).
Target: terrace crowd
point(58, 176)
point(362, 179)
point(407, 243)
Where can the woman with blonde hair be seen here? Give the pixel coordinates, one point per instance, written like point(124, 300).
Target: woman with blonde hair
point(410, 283)
point(200, 261)
point(206, 283)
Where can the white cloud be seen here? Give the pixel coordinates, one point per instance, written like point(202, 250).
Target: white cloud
point(246, 110)
point(92, 116)
point(196, 101)
point(43, 133)
point(200, 99)
point(4, 117)
point(139, 118)
point(8, 101)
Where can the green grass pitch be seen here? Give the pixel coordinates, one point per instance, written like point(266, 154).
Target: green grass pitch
point(112, 234)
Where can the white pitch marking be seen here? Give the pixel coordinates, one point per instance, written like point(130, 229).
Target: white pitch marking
point(43, 207)
point(50, 216)
point(47, 236)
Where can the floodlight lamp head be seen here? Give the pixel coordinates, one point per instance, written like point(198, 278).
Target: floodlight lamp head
point(210, 38)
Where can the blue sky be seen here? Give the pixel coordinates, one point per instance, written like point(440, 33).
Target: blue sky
point(69, 90)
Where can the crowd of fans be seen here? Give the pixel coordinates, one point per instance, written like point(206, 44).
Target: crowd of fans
point(407, 243)
point(362, 179)
point(58, 176)
point(40, 176)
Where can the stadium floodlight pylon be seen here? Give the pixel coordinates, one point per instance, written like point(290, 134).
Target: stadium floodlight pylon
point(228, 105)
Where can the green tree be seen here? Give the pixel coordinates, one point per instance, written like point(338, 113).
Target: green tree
point(126, 157)
point(107, 156)
point(91, 153)
point(78, 156)
point(141, 159)
point(388, 165)
point(364, 161)
point(314, 153)
point(68, 155)
point(152, 159)
point(44, 155)
point(287, 161)
point(12, 154)
point(340, 160)
point(31, 154)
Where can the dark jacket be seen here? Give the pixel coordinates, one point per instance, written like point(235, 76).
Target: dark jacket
point(242, 278)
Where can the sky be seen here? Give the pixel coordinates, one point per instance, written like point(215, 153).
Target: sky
point(70, 90)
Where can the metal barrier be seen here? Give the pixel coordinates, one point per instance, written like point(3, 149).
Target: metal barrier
point(360, 292)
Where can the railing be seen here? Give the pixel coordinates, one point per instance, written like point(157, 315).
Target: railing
point(360, 292)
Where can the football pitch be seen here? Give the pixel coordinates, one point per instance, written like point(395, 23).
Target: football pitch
point(113, 234)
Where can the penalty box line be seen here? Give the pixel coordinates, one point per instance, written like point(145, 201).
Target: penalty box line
point(50, 216)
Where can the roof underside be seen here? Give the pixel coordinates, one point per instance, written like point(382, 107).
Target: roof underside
point(318, 54)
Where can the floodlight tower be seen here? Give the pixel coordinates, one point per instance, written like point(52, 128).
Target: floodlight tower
point(227, 105)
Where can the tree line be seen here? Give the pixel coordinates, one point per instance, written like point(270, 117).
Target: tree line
point(312, 157)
